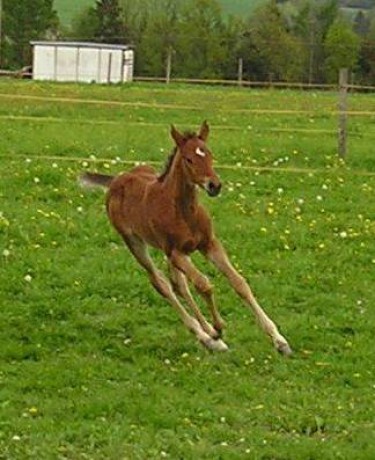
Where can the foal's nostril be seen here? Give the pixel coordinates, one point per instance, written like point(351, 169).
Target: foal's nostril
point(214, 189)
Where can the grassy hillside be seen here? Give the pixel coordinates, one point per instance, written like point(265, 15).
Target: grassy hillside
point(95, 365)
point(240, 7)
point(68, 9)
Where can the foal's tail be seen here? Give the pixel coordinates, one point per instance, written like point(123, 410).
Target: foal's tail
point(88, 179)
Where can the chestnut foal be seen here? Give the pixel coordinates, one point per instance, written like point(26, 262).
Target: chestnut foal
point(163, 211)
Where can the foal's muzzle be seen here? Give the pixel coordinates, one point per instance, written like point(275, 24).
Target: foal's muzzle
point(213, 188)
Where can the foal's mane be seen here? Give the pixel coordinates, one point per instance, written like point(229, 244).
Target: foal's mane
point(168, 164)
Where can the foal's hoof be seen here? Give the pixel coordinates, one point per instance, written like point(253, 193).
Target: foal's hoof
point(217, 334)
point(284, 349)
point(215, 345)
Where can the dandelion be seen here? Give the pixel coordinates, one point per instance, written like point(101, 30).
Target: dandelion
point(36, 180)
point(319, 198)
point(33, 411)
point(343, 234)
point(6, 253)
point(28, 278)
point(4, 222)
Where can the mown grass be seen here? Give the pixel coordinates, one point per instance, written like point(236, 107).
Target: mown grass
point(94, 364)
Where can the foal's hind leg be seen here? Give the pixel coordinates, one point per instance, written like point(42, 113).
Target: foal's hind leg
point(162, 285)
point(218, 256)
point(201, 283)
point(181, 287)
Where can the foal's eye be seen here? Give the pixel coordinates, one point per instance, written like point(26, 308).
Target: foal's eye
point(189, 160)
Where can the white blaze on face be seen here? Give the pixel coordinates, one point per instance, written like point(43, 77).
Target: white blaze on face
point(200, 152)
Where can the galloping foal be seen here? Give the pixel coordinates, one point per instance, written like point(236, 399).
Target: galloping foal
point(163, 211)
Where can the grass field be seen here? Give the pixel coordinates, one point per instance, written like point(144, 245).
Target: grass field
point(95, 365)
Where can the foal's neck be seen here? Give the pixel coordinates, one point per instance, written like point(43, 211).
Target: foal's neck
point(181, 189)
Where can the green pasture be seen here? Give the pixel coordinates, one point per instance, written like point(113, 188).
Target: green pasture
point(95, 365)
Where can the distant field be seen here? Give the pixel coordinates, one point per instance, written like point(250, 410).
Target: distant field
point(241, 8)
point(68, 9)
point(95, 365)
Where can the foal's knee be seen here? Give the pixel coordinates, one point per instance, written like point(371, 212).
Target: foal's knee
point(203, 286)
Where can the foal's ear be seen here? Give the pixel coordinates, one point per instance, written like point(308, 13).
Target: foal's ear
point(177, 136)
point(204, 131)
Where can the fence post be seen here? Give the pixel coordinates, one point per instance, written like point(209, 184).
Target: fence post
point(240, 71)
point(168, 66)
point(342, 110)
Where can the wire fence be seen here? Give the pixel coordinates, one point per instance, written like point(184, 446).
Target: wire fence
point(341, 112)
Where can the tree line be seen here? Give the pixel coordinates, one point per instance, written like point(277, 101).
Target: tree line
point(308, 44)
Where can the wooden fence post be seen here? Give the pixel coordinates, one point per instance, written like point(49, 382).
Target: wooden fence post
point(342, 110)
point(168, 66)
point(240, 71)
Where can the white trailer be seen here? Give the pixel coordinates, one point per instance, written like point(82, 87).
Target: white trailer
point(82, 62)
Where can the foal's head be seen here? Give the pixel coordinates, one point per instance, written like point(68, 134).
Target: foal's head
point(197, 159)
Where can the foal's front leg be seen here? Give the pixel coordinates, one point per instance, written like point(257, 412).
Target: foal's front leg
point(162, 285)
point(201, 283)
point(181, 287)
point(218, 256)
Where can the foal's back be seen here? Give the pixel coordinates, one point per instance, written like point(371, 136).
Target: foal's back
point(126, 199)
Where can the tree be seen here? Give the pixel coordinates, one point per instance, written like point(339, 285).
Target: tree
point(85, 25)
point(361, 24)
point(310, 25)
point(272, 51)
point(366, 62)
point(200, 49)
point(159, 38)
point(342, 47)
point(109, 24)
point(23, 21)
